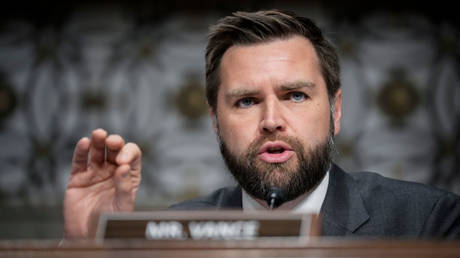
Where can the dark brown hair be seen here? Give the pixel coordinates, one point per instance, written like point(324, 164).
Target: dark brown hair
point(245, 28)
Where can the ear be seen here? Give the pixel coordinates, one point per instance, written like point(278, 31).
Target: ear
point(337, 111)
point(213, 116)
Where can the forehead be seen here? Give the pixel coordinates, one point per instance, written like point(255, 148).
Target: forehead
point(278, 61)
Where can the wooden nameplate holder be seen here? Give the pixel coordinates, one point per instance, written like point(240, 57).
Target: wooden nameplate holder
point(208, 225)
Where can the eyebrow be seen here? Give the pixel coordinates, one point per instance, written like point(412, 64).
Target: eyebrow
point(237, 93)
point(296, 85)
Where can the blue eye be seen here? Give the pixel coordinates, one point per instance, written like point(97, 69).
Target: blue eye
point(298, 96)
point(244, 103)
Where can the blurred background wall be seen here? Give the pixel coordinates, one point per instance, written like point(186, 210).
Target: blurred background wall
point(137, 69)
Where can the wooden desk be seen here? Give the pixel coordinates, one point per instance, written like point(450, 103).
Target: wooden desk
point(205, 249)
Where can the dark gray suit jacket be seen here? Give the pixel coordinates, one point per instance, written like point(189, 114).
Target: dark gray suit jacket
point(367, 204)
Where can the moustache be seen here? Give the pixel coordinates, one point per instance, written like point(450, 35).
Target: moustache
point(255, 145)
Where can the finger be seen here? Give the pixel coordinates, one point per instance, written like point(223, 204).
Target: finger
point(114, 143)
point(130, 154)
point(80, 155)
point(123, 189)
point(97, 149)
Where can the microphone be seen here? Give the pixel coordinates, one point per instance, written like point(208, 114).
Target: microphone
point(275, 198)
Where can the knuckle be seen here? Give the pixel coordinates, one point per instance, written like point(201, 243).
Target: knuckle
point(115, 137)
point(133, 147)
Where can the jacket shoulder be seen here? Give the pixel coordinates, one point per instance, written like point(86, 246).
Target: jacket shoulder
point(373, 185)
point(410, 206)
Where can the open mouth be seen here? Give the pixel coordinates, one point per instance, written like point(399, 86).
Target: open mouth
point(275, 152)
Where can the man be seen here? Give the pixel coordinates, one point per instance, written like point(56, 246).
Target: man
point(273, 89)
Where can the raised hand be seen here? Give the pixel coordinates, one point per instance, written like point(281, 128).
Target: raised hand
point(105, 177)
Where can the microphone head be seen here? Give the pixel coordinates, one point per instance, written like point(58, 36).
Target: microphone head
point(275, 197)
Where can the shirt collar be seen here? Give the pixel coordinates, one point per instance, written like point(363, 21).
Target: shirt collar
point(310, 204)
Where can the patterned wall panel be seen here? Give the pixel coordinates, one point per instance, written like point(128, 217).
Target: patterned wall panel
point(140, 81)
point(396, 121)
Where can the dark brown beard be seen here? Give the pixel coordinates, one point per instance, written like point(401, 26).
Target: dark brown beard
point(300, 174)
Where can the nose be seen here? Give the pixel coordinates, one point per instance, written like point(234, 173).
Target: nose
point(272, 117)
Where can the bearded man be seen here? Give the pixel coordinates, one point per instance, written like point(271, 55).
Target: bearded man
point(274, 95)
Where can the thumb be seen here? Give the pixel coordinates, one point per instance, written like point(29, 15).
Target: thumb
point(124, 199)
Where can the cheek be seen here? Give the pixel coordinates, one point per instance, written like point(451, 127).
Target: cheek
point(312, 126)
point(236, 134)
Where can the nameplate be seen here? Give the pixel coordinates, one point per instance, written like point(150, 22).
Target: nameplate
point(207, 225)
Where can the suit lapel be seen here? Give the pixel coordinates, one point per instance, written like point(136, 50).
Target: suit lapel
point(343, 210)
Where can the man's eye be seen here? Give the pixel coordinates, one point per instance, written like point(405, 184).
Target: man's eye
point(297, 96)
point(246, 102)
